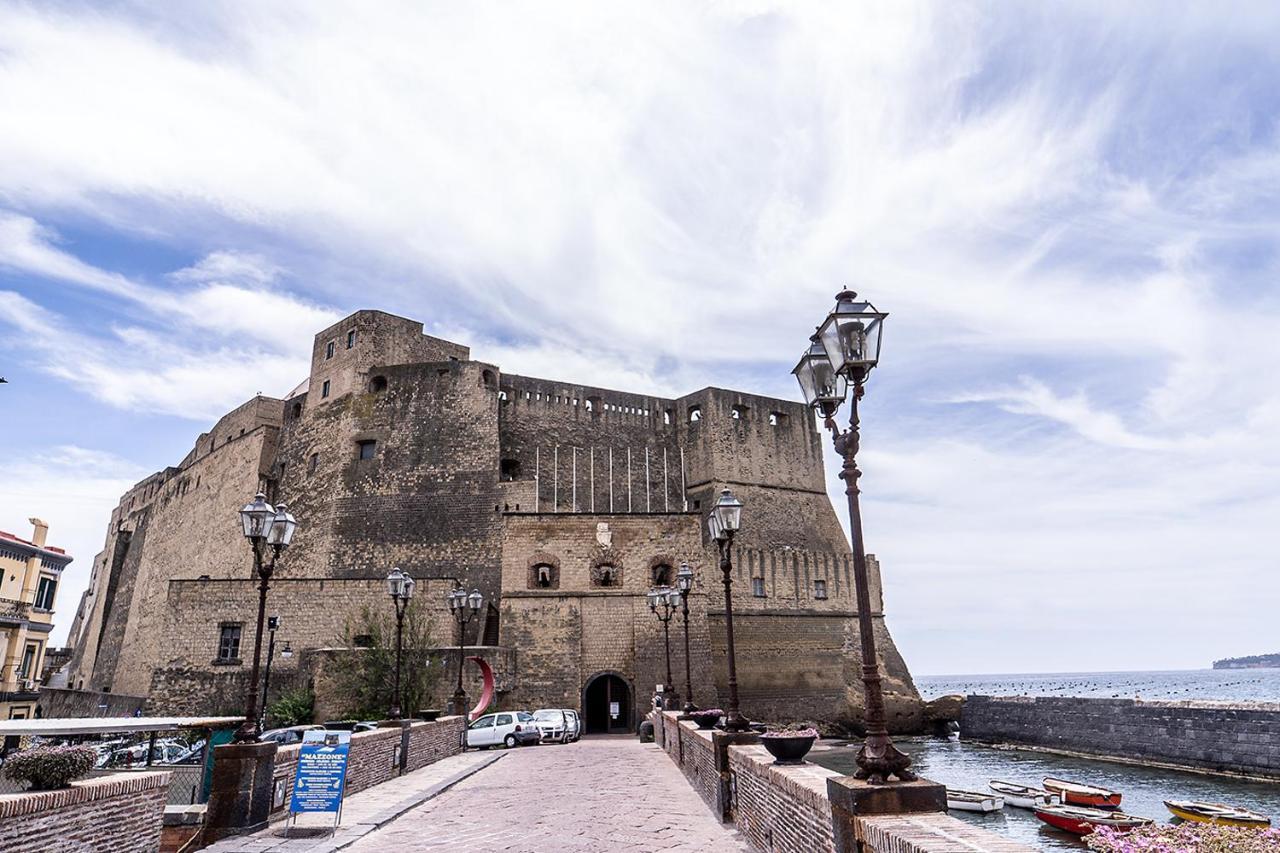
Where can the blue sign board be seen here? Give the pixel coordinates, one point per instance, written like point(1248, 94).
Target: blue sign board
point(322, 772)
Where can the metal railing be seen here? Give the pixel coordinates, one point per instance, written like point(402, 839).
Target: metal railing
point(11, 608)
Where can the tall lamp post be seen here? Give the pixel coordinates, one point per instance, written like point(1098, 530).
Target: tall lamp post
point(684, 585)
point(266, 527)
point(844, 350)
point(464, 608)
point(660, 605)
point(723, 524)
point(400, 588)
point(273, 625)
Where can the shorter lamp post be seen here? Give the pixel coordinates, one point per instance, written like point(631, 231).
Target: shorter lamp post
point(273, 625)
point(464, 608)
point(265, 527)
point(684, 585)
point(400, 588)
point(661, 606)
point(723, 524)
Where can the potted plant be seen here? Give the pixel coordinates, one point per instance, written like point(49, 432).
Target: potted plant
point(707, 718)
point(789, 746)
point(48, 768)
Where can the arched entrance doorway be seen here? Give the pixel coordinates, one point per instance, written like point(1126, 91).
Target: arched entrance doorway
point(606, 705)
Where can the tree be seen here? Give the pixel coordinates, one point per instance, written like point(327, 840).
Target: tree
point(363, 676)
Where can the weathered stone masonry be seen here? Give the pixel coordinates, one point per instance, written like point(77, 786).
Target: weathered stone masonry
point(400, 450)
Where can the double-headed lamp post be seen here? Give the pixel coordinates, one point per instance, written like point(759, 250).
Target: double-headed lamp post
point(661, 605)
point(684, 586)
point(400, 588)
point(464, 608)
point(844, 350)
point(266, 527)
point(723, 524)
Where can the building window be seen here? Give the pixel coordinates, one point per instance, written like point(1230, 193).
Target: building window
point(324, 389)
point(367, 448)
point(820, 589)
point(28, 661)
point(328, 351)
point(606, 575)
point(510, 469)
point(777, 419)
point(297, 410)
point(666, 416)
point(662, 575)
point(757, 587)
point(695, 414)
point(45, 592)
point(739, 413)
point(362, 641)
point(351, 338)
point(378, 384)
point(544, 576)
point(229, 642)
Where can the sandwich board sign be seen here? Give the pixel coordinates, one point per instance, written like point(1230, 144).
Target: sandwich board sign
point(322, 774)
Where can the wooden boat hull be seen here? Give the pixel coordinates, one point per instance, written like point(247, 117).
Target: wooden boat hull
point(974, 802)
point(1024, 796)
point(1252, 821)
point(1091, 797)
point(1071, 820)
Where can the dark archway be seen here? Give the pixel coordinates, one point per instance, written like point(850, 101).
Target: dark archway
point(606, 705)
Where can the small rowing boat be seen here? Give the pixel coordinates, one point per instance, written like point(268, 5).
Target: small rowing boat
point(973, 801)
point(1082, 821)
point(1076, 794)
point(1216, 813)
point(1023, 796)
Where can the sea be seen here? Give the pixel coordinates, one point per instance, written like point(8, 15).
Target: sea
point(1219, 685)
point(970, 766)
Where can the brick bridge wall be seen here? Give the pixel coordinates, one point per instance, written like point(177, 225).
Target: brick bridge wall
point(118, 813)
point(1204, 735)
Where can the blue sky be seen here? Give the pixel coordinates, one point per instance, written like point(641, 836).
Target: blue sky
point(1069, 210)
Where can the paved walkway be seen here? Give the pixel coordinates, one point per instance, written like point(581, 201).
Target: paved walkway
point(600, 795)
point(362, 813)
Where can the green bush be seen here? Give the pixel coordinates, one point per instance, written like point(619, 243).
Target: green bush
point(295, 708)
point(50, 767)
point(363, 676)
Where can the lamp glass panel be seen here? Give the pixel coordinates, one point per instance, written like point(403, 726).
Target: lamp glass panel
point(728, 510)
point(256, 517)
point(684, 578)
point(851, 336)
point(282, 526)
point(476, 599)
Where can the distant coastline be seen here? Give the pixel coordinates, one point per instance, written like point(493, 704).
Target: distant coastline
point(1271, 661)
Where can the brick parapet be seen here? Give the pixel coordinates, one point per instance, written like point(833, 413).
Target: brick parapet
point(123, 814)
point(779, 807)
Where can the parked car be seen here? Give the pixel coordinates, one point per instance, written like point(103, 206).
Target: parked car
point(574, 730)
point(509, 728)
point(293, 734)
point(164, 752)
point(553, 725)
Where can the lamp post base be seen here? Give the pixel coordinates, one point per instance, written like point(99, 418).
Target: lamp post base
point(734, 721)
point(879, 761)
point(458, 704)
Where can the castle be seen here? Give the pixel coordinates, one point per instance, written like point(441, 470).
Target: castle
point(562, 504)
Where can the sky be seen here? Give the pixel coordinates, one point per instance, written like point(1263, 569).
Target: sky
point(1069, 210)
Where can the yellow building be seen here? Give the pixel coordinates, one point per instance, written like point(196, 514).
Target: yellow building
point(29, 584)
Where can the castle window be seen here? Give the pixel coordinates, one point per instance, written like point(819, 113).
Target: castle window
point(666, 416)
point(777, 419)
point(324, 389)
point(662, 575)
point(487, 377)
point(605, 576)
point(229, 642)
point(510, 468)
point(591, 404)
point(819, 589)
point(328, 350)
point(297, 410)
point(367, 448)
point(362, 641)
point(757, 587)
point(544, 576)
point(739, 413)
point(312, 462)
point(695, 414)
point(502, 395)
point(378, 384)
point(351, 338)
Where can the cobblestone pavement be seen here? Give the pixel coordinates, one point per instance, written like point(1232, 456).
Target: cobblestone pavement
point(599, 795)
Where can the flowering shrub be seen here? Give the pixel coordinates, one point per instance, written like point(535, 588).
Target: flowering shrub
point(1185, 838)
point(791, 733)
point(709, 712)
point(49, 767)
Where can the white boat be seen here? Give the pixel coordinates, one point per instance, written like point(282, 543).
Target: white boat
point(1023, 796)
point(972, 801)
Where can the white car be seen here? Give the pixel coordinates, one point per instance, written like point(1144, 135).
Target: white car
point(509, 728)
point(553, 725)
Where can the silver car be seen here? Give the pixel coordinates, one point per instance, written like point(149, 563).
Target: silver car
point(553, 725)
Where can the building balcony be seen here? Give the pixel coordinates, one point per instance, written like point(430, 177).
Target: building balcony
point(14, 612)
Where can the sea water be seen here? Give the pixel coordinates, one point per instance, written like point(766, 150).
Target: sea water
point(970, 766)
point(1224, 685)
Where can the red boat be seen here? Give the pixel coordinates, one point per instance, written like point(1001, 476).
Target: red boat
point(1091, 796)
point(1083, 821)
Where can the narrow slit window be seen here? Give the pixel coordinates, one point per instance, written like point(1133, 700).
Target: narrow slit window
point(757, 587)
point(351, 338)
point(328, 350)
point(324, 389)
point(366, 449)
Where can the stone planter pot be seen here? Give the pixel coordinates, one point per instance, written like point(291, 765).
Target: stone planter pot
point(705, 721)
point(788, 750)
point(429, 714)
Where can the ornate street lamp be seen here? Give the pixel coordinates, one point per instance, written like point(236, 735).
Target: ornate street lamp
point(273, 625)
point(844, 350)
point(684, 585)
point(464, 608)
point(723, 524)
point(661, 606)
point(265, 527)
point(400, 588)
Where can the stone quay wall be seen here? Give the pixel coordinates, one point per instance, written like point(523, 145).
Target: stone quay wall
point(1220, 737)
point(375, 756)
point(787, 808)
point(113, 814)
